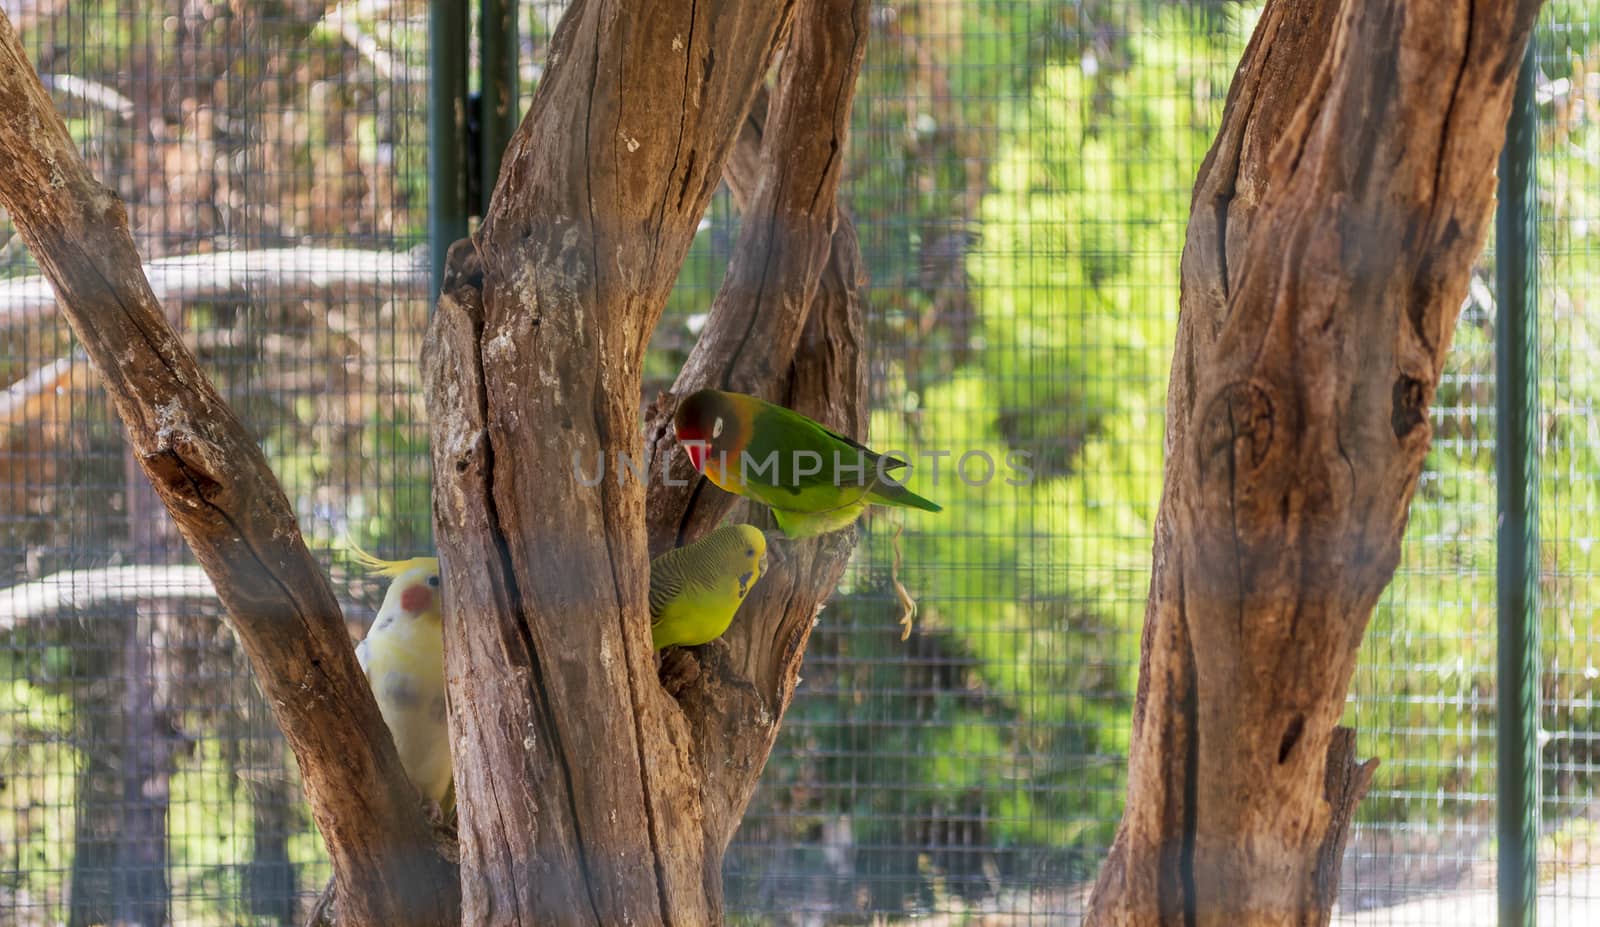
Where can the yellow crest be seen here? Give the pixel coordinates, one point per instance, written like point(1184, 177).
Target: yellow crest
point(389, 568)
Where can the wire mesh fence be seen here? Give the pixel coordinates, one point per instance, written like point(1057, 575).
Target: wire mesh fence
point(1019, 173)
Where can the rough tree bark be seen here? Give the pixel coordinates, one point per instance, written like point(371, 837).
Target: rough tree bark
point(1333, 227)
point(213, 479)
point(594, 796)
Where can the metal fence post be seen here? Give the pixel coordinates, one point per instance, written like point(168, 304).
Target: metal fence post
point(498, 44)
point(1517, 486)
point(447, 117)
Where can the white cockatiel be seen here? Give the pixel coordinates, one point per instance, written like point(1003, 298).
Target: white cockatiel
point(403, 656)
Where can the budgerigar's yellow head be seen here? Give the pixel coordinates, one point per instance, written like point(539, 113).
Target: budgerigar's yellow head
point(415, 590)
point(752, 559)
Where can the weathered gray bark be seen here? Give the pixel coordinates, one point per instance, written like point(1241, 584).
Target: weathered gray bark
point(1333, 227)
point(213, 479)
point(596, 796)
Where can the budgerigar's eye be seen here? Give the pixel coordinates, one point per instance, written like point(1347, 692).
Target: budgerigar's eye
point(749, 551)
point(716, 428)
point(433, 581)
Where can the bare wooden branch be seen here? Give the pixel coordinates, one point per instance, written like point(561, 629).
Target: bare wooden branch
point(784, 175)
point(1333, 227)
point(215, 482)
point(780, 290)
point(272, 273)
point(747, 680)
point(91, 92)
point(1344, 784)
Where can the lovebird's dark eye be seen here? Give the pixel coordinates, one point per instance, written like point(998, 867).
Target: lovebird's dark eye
point(433, 581)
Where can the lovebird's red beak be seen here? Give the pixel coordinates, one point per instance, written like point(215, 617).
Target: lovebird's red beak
point(697, 451)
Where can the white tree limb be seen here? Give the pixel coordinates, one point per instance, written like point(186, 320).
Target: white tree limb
point(269, 274)
point(389, 66)
point(82, 590)
point(91, 92)
point(14, 401)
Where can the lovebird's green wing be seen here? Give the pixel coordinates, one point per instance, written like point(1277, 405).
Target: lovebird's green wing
point(783, 436)
point(780, 434)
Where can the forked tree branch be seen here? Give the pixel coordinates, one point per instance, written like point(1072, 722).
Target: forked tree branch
point(1332, 231)
point(588, 794)
point(216, 483)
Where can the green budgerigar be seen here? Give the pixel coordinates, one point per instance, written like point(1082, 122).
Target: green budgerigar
point(403, 656)
point(814, 479)
point(696, 589)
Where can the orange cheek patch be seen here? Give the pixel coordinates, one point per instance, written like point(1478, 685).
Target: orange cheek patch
point(416, 599)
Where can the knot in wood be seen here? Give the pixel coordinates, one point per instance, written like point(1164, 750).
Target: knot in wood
point(175, 478)
point(1237, 430)
point(467, 450)
point(1410, 405)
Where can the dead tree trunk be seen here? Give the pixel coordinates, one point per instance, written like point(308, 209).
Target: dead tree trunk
point(595, 796)
point(1333, 227)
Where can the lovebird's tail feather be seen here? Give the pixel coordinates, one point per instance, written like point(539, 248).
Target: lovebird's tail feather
point(891, 494)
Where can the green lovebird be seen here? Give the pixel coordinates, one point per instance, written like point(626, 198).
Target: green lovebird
point(695, 589)
point(814, 479)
